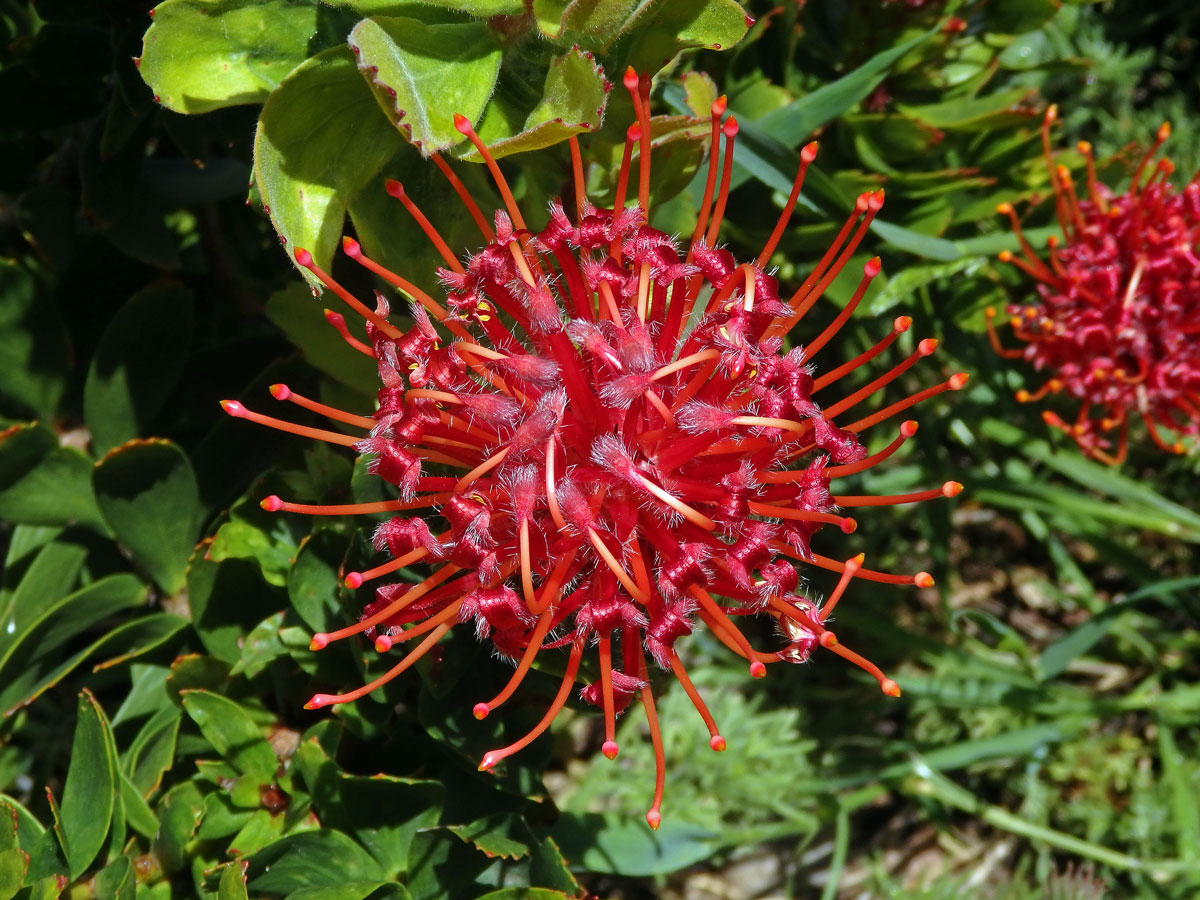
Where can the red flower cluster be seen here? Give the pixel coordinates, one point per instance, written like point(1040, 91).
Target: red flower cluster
point(1118, 325)
point(637, 452)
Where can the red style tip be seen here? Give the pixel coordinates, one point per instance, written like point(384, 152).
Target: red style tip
point(319, 641)
point(809, 153)
point(849, 526)
point(654, 819)
point(610, 749)
point(875, 203)
point(871, 269)
point(394, 188)
point(630, 79)
point(757, 669)
point(303, 257)
point(959, 381)
point(1051, 113)
point(351, 247)
point(383, 644)
point(337, 320)
point(319, 700)
point(353, 580)
point(951, 489)
point(633, 133)
point(233, 407)
point(462, 123)
point(716, 742)
point(889, 687)
point(718, 106)
point(730, 128)
point(909, 427)
point(1164, 131)
point(827, 639)
point(271, 504)
point(927, 346)
point(923, 580)
point(489, 760)
point(480, 711)
point(280, 391)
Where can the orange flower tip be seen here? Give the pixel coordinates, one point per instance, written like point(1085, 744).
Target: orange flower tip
point(334, 319)
point(319, 641)
point(1052, 241)
point(1051, 418)
point(1023, 396)
point(718, 106)
point(489, 760)
point(909, 427)
point(1004, 208)
point(827, 639)
point(1084, 147)
point(462, 123)
point(480, 711)
point(303, 258)
point(351, 247)
point(383, 644)
point(871, 269)
point(856, 561)
point(959, 381)
point(901, 324)
point(633, 133)
point(889, 687)
point(1051, 113)
point(630, 79)
point(951, 489)
point(394, 188)
point(280, 391)
point(860, 204)
point(319, 700)
point(849, 525)
point(730, 128)
point(1178, 447)
point(353, 580)
point(610, 749)
point(233, 407)
point(654, 819)
point(1004, 256)
point(757, 669)
point(717, 743)
point(809, 153)
point(989, 313)
point(1164, 131)
point(271, 504)
point(876, 202)
point(923, 580)
point(927, 346)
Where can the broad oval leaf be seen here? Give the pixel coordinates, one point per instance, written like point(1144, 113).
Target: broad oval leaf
point(422, 75)
point(147, 493)
point(43, 483)
point(201, 55)
point(321, 138)
point(137, 363)
point(232, 733)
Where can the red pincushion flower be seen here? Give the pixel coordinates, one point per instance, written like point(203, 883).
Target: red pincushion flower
point(636, 452)
point(1118, 325)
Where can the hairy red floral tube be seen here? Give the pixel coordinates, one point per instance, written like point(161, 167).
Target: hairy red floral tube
point(1119, 319)
point(617, 441)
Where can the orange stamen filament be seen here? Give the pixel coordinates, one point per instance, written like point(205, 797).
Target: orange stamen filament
point(954, 383)
point(949, 489)
point(468, 201)
point(417, 652)
point(235, 409)
point(480, 470)
point(715, 740)
point(396, 189)
point(304, 258)
point(901, 325)
point(852, 566)
point(283, 392)
point(807, 155)
point(463, 124)
point(617, 569)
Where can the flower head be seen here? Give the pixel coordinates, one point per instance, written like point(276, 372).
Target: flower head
point(1119, 315)
point(617, 443)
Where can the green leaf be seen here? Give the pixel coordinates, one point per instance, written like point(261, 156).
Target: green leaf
point(201, 55)
point(232, 733)
point(491, 835)
point(179, 814)
point(14, 864)
point(147, 494)
point(43, 483)
point(321, 138)
point(657, 32)
point(310, 859)
point(300, 317)
point(382, 812)
point(138, 813)
point(572, 102)
point(526, 893)
point(422, 75)
point(90, 791)
point(137, 363)
point(354, 890)
point(313, 581)
point(49, 578)
point(617, 844)
point(261, 646)
point(233, 882)
point(1003, 109)
point(116, 881)
point(33, 346)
